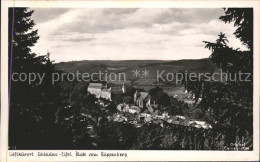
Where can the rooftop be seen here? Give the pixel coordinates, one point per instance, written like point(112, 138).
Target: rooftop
point(95, 85)
point(143, 95)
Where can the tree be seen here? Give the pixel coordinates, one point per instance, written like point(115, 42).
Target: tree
point(231, 101)
point(155, 90)
point(32, 105)
point(128, 100)
point(163, 99)
point(21, 33)
point(159, 96)
point(243, 20)
point(129, 90)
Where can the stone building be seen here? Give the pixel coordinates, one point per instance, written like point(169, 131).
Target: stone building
point(100, 90)
point(142, 99)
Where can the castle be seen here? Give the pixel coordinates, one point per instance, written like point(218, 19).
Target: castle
point(102, 91)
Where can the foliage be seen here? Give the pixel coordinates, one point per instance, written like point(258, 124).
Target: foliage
point(229, 104)
point(128, 100)
point(159, 96)
point(177, 107)
point(129, 90)
point(115, 135)
point(32, 106)
point(243, 20)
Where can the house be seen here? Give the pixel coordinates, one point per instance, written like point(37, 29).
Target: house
point(169, 121)
point(134, 109)
point(95, 88)
point(123, 107)
point(200, 124)
point(165, 115)
point(146, 111)
point(100, 91)
point(130, 116)
point(145, 115)
point(141, 99)
point(176, 122)
point(120, 118)
point(180, 117)
point(106, 93)
point(119, 107)
point(118, 89)
point(148, 119)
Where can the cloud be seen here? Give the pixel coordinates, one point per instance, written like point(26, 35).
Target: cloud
point(131, 33)
point(104, 20)
point(45, 14)
point(119, 11)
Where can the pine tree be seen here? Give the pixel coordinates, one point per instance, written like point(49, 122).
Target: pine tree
point(231, 101)
point(243, 20)
point(32, 106)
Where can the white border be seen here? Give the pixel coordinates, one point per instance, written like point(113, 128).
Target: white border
point(133, 155)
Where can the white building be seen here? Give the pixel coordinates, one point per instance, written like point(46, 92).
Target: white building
point(99, 91)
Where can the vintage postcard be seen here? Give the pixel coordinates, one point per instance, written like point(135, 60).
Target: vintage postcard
point(130, 80)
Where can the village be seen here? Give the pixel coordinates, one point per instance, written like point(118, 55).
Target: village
point(117, 78)
point(142, 110)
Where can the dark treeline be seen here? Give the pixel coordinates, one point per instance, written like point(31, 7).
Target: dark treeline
point(230, 103)
point(64, 116)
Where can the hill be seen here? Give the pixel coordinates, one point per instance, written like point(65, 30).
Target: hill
point(128, 66)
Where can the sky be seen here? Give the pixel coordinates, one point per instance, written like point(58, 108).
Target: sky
point(129, 33)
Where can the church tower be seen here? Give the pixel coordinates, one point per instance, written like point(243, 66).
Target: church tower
point(123, 88)
point(135, 95)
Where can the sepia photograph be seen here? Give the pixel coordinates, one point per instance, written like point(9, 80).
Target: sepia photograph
point(130, 78)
